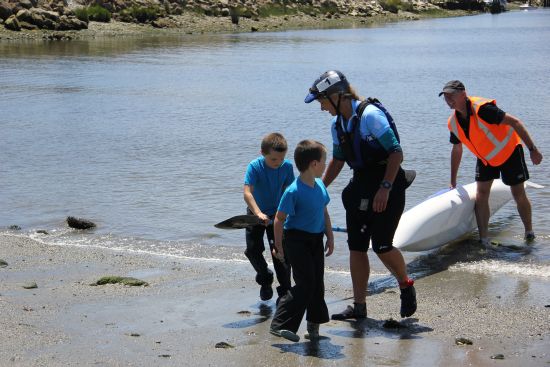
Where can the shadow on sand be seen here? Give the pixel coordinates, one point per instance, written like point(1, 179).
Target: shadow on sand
point(265, 312)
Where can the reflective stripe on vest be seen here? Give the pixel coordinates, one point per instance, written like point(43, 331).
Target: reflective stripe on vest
point(499, 145)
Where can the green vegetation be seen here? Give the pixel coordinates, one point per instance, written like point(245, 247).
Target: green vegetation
point(140, 14)
point(436, 13)
point(82, 14)
point(272, 10)
point(393, 6)
point(99, 14)
point(275, 9)
point(113, 279)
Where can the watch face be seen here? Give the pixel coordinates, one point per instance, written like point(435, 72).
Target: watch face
point(386, 185)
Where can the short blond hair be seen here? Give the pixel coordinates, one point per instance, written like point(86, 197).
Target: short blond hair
point(274, 141)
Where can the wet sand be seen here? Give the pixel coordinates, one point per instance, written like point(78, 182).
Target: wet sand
point(191, 305)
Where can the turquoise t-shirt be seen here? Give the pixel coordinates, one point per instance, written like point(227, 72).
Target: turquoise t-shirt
point(268, 183)
point(305, 206)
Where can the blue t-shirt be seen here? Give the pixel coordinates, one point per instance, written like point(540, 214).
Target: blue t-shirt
point(373, 127)
point(268, 183)
point(305, 206)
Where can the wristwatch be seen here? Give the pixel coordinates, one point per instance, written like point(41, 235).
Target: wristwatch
point(385, 184)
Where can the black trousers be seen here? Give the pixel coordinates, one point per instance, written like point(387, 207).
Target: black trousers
point(254, 252)
point(305, 252)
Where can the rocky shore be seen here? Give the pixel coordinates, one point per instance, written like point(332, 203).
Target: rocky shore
point(77, 19)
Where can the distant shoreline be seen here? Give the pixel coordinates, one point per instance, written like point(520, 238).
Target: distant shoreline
point(199, 24)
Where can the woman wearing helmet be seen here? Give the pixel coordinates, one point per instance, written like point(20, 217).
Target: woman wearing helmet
point(365, 137)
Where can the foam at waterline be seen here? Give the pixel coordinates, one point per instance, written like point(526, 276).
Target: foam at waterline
point(503, 267)
point(114, 245)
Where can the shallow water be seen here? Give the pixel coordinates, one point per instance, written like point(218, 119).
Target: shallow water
point(150, 137)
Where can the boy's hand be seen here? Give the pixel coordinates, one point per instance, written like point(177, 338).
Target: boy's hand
point(278, 253)
point(329, 246)
point(264, 218)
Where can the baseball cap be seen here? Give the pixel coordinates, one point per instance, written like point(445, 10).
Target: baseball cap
point(452, 86)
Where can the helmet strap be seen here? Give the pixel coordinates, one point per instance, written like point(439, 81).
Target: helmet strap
point(336, 106)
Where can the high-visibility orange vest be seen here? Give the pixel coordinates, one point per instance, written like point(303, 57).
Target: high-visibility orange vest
point(491, 143)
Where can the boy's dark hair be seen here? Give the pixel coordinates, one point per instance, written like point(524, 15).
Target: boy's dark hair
point(306, 152)
point(274, 141)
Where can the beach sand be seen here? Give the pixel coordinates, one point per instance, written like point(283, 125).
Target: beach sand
point(191, 305)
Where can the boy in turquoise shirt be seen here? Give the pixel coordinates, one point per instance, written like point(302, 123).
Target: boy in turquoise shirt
point(301, 222)
point(265, 181)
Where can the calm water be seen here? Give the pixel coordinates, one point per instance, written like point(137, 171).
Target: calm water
point(150, 138)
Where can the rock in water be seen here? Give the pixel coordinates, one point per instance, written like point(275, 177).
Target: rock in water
point(463, 341)
point(224, 345)
point(79, 223)
point(113, 279)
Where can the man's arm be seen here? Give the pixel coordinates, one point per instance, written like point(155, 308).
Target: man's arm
point(456, 157)
point(521, 130)
point(333, 170)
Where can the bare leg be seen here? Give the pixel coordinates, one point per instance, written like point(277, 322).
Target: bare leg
point(482, 207)
point(393, 260)
point(360, 270)
point(523, 204)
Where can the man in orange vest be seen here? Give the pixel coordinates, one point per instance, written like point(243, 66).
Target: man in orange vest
point(494, 137)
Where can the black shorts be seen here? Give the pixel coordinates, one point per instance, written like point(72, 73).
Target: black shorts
point(513, 171)
point(364, 225)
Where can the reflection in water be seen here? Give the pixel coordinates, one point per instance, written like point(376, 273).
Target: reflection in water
point(463, 251)
point(322, 349)
point(149, 44)
point(265, 311)
point(369, 327)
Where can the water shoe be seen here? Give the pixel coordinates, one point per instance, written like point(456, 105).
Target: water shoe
point(408, 301)
point(287, 334)
point(266, 292)
point(357, 311)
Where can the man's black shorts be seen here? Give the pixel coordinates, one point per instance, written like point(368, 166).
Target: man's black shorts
point(514, 170)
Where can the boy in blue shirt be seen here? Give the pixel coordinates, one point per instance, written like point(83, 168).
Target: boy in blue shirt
point(264, 183)
point(303, 210)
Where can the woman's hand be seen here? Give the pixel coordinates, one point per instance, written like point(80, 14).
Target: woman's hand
point(380, 200)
